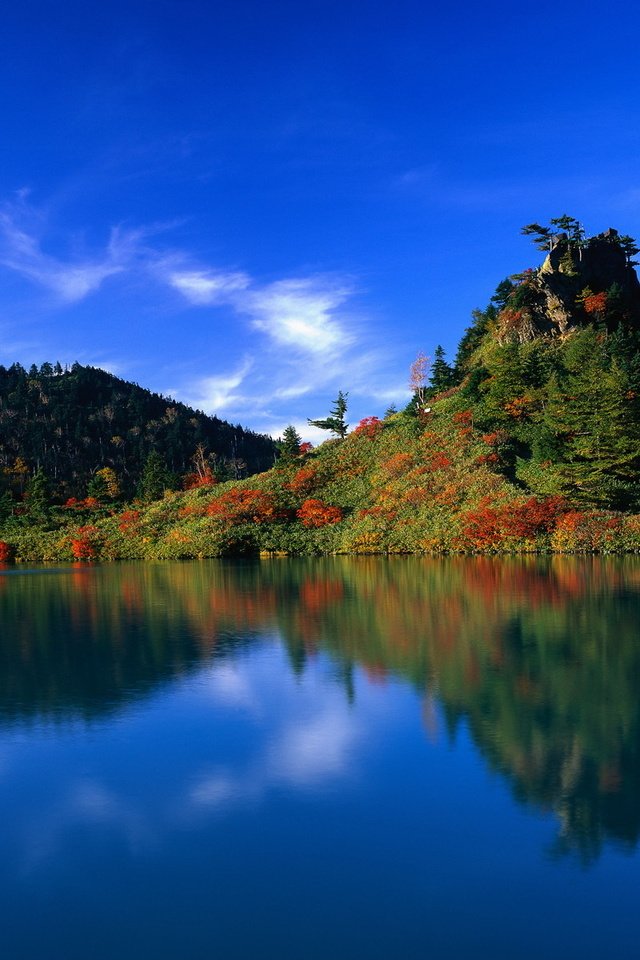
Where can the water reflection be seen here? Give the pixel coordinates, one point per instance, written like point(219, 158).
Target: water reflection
point(539, 658)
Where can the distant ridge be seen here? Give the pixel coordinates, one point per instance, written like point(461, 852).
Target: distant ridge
point(71, 423)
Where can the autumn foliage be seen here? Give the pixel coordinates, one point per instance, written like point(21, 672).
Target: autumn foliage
point(492, 523)
point(85, 543)
point(6, 552)
point(238, 506)
point(315, 513)
point(303, 480)
point(595, 304)
point(369, 427)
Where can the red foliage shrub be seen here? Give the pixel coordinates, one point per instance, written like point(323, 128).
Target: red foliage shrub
point(440, 461)
point(128, 521)
point(464, 418)
point(194, 481)
point(304, 480)
point(84, 545)
point(239, 506)
point(483, 527)
point(315, 513)
point(306, 447)
point(398, 464)
point(490, 524)
point(89, 503)
point(534, 516)
point(596, 304)
point(496, 438)
point(6, 552)
point(369, 427)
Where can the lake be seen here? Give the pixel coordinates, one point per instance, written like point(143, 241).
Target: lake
point(328, 758)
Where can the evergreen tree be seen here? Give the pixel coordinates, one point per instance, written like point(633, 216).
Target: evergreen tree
point(335, 422)
point(104, 485)
point(155, 479)
point(503, 291)
point(630, 248)
point(442, 376)
point(98, 488)
point(289, 444)
point(7, 504)
point(596, 417)
point(542, 236)
point(37, 496)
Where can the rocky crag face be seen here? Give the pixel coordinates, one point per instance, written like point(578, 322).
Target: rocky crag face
point(580, 281)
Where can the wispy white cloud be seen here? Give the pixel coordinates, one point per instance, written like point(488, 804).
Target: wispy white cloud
point(201, 287)
point(69, 280)
point(301, 313)
point(219, 392)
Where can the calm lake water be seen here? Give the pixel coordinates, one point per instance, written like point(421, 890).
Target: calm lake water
point(340, 758)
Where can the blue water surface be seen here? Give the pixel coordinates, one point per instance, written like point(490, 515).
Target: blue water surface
point(321, 759)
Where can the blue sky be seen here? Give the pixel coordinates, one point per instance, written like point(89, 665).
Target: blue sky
point(251, 205)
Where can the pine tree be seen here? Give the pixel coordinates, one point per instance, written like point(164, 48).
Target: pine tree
point(335, 422)
point(37, 496)
point(596, 417)
point(441, 372)
point(289, 444)
point(155, 478)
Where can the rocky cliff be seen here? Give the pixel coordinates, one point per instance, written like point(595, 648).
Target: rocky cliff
point(580, 281)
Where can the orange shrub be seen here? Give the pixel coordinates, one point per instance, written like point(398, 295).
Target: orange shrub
point(84, 545)
point(194, 481)
point(586, 531)
point(439, 461)
point(239, 506)
point(398, 464)
point(595, 305)
point(303, 480)
point(464, 418)
point(315, 513)
point(128, 521)
point(369, 427)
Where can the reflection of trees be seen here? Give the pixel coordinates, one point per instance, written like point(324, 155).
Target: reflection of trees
point(539, 656)
point(82, 641)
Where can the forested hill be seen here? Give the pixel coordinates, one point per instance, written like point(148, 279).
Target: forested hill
point(551, 370)
point(73, 423)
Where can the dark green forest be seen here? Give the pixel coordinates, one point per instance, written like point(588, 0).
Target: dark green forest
point(71, 424)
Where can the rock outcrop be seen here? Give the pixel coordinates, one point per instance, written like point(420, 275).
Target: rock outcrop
point(577, 283)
